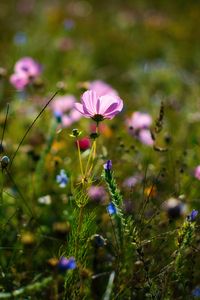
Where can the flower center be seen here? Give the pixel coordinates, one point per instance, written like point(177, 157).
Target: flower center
point(98, 118)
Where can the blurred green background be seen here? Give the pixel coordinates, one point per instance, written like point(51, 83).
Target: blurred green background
point(106, 39)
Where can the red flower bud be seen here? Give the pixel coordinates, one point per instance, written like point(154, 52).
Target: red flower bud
point(84, 143)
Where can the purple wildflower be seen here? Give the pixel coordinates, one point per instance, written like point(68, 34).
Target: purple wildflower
point(97, 193)
point(192, 216)
point(196, 292)
point(108, 165)
point(66, 264)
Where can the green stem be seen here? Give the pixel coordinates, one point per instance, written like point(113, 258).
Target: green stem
point(34, 287)
point(92, 154)
point(79, 157)
point(89, 159)
point(1, 191)
point(80, 219)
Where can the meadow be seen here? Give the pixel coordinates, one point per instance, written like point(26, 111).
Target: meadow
point(99, 142)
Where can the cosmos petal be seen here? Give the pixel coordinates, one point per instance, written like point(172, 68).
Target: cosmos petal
point(111, 108)
point(80, 108)
point(89, 100)
point(105, 102)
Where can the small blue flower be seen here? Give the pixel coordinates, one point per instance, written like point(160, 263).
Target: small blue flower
point(111, 209)
point(69, 24)
point(108, 165)
point(58, 116)
point(20, 38)
point(192, 216)
point(62, 179)
point(66, 264)
point(196, 292)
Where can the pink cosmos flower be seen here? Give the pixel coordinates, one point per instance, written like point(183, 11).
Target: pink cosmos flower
point(145, 137)
point(75, 115)
point(70, 118)
point(62, 104)
point(63, 107)
point(197, 172)
point(99, 108)
point(26, 70)
point(102, 88)
point(19, 81)
point(140, 120)
point(28, 66)
point(139, 124)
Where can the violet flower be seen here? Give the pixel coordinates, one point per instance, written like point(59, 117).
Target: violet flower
point(108, 165)
point(196, 292)
point(66, 264)
point(192, 216)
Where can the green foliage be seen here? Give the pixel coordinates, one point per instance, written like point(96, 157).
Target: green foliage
point(116, 198)
point(184, 242)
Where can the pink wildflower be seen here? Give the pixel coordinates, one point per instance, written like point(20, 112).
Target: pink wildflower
point(26, 70)
point(63, 104)
point(145, 137)
point(63, 107)
point(139, 125)
point(19, 81)
point(140, 120)
point(99, 108)
point(197, 172)
point(102, 88)
point(131, 181)
point(70, 118)
point(28, 66)
point(97, 193)
point(74, 115)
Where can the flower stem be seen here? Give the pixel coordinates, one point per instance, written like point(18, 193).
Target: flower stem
point(92, 153)
point(80, 219)
point(79, 157)
point(2, 186)
point(34, 287)
point(89, 158)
